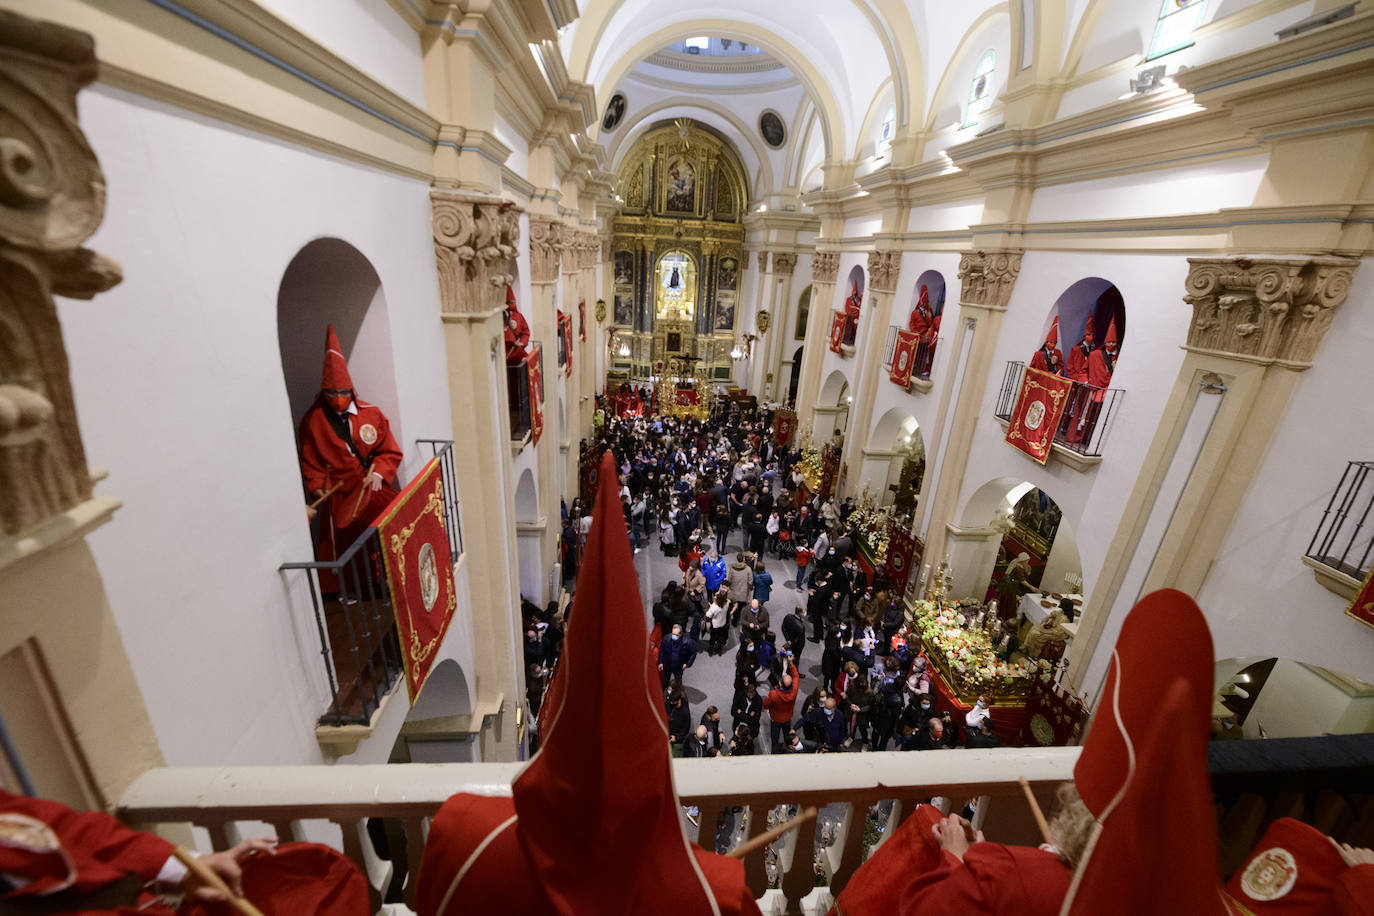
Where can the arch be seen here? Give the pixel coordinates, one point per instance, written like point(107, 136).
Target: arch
point(894, 461)
point(1090, 296)
point(446, 693)
point(526, 498)
point(895, 428)
point(971, 39)
point(882, 101)
point(1005, 517)
point(833, 388)
point(832, 118)
point(328, 281)
point(625, 139)
point(934, 282)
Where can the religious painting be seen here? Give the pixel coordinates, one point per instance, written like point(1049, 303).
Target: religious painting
point(771, 129)
point(725, 315)
point(624, 268)
point(680, 185)
point(729, 273)
point(624, 310)
point(674, 344)
point(615, 111)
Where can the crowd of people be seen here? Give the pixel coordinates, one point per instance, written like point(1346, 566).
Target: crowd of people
point(721, 498)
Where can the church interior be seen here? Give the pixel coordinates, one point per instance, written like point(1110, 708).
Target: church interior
point(1065, 297)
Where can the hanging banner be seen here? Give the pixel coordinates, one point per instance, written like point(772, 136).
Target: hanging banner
point(836, 331)
point(413, 532)
point(568, 344)
point(591, 466)
point(784, 425)
point(1362, 608)
point(535, 360)
point(904, 358)
point(1039, 407)
point(901, 553)
point(1053, 718)
point(582, 319)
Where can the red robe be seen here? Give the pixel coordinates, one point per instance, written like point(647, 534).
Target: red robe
point(326, 460)
point(909, 875)
point(1294, 869)
point(1077, 367)
point(1100, 368)
point(94, 850)
point(921, 323)
point(517, 337)
point(1038, 361)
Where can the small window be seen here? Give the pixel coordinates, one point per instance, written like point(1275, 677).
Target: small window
point(1174, 28)
point(803, 314)
point(980, 90)
point(887, 129)
point(697, 45)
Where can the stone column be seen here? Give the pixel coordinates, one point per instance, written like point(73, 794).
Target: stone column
point(758, 358)
point(883, 267)
point(475, 243)
point(549, 239)
point(986, 279)
point(825, 265)
point(1256, 325)
point(784, 265)
point(461, 70)
point(76, 715)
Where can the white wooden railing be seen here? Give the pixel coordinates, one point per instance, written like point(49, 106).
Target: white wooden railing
point(299, 802)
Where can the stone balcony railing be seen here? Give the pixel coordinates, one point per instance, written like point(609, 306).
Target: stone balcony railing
point(300, 802)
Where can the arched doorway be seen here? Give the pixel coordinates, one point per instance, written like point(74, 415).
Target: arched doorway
point(528, 534)
point(832, 406)
point(894, 462)
point(1089, 321)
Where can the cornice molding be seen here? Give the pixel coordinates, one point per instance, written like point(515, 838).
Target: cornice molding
point(668, 85)
point(706, 63)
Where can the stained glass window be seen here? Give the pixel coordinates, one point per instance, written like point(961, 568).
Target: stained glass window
point(1174, 28)
point(887, 129)
point(980, 90)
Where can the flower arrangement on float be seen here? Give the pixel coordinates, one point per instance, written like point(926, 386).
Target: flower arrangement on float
point(964, 658)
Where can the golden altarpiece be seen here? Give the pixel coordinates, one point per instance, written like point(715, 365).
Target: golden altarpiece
point(678, 263)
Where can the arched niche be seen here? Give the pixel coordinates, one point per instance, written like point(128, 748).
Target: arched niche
point(1003, 518)
point(526, 498)
point(528, 537)
point(832, 406)
point(924, 316)
point(446, 693)
point(1090, 297)
point(331, 282)
point(853, 303)
point(893, 461)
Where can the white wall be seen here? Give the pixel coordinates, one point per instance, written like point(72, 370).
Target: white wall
point(1195, 188)
point(1258, 597)
point(1298, 701)
point(180, 394)
point(368, 34)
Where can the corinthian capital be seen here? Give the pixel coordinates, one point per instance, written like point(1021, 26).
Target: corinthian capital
point(1270, 310)
point(825, 266)
point(546, 249)
point(987, 277)
point(784, 262)
point(476, 239)
point(883, 267)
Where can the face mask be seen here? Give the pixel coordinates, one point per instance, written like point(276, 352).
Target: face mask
point(338, 402)
point(925, 706)
point(981, 705)
point(675, 636)
point(829, 713)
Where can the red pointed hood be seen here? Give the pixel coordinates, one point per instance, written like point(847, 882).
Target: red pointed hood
point(1164, 638)
point(510, 299)
point(1111, 337)
point(1052, 338)
point(1165, 819)
point(1089, 330)
point(335, 366)
point(599, 816)
point(923, 300)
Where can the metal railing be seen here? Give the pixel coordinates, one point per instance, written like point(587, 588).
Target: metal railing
point(351, 598)
point(1086, 420)
point(1344, 539)
point(518, 389)
point(443, 450)
point(357, 629)
point(925, 353)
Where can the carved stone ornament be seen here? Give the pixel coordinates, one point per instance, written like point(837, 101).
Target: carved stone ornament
point(784, 262)
point(600, 311)
point(987, 277)
point(606, 242)
point(763, 262)
point(763, 320)
point(825, 266)
point(1270, 310)
point(52, 198)
point(546, 249)
point(475, 239)
point(883, 267)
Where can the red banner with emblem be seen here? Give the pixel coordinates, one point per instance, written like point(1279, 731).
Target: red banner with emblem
point(901, 553)
point(784, 425)
point(413, 532)
point(1053, 718)
point(904, 358)
point(1362, 608)
point(1039, 407)
point(836, 331)
point(536, 394)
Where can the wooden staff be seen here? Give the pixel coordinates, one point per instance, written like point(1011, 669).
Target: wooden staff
point(1035, 810)
point(214, 882)
point(311, 509)
point(763, 839)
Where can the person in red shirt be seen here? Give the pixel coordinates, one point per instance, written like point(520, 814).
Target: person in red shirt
point(780, 703)
point(347, 448)
point(1048, 358)
point(54, 859)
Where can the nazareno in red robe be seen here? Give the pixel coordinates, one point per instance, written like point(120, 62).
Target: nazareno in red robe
point(91, 851)
point(327, 460)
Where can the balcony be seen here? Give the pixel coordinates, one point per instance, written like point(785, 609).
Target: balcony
point(1342, 547)
point(351, 599)
point(1083, 429)
point(925, 358)
point(518, 389)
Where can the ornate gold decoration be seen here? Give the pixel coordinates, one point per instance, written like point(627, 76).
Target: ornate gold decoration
point(825, 266)
point(1273, 310)
point(475, 240)
point(52, 198)
point(762, 321)
point(600, 312)
point(987, 277)
point(883, 267)
point(634, 197)
point(784, 262)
